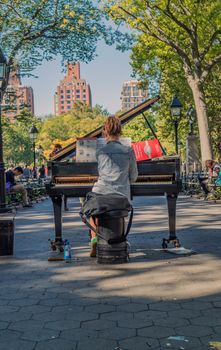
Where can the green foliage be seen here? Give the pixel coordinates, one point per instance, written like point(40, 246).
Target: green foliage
point(67, 127)
point(18, 147)
point(178, 46)
point(138, 130)
point(35, 30)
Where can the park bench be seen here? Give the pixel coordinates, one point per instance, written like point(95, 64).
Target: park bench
point(191, 186)
point(36, 191)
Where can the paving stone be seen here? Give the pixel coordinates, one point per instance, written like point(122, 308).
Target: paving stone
point(216, 337)
point(35, 309)
point(165, 306)
point(63, 324)
point(49, 316)
point(217, 303)
point(100, 308)
point(3, 325)
point(54, 302)
point(81, 316)
point(115, 300)
point(26, 325)
point(17, 344)
point(217, 329)
point(194, 331)
point(15, 316)
point(12, 296)
point(189, 314)
point(85, 301)
point(40, 334)
point(7, 334)
point(156, 332)
point(67, 309)
point(171, 322)
point(56, 344)
point(24, 302)
point(8, 308)
point(132, 307)
point(196, 305)
point(150, 315)
point(117, 333)
point(4, 302)
point(98, 325)
point(138, 343)
point(133, 323)
point(212, 313)
point(117, 316)
point(96, 344)
point(206, 321)
point(188, 343)
point(78, 334)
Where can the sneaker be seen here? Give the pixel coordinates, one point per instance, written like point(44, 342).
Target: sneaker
point(93, 252)
point(29, 205)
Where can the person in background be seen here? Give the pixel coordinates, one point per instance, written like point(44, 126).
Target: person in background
point(205, 181)
point(57, 148)
point(117, 168)
point(11, 184)
point(42, 172)
point(26, 172)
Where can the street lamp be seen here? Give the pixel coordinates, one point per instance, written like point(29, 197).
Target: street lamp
point(191, 115)
point(33, 132)
point(3, 83)
point(175, 108)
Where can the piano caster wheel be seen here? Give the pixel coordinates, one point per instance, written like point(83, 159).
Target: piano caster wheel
point(164, 243)
point(175, 242)
point(56, 245)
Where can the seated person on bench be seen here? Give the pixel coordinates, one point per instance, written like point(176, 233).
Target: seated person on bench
point(10, 180)
point(117, 168)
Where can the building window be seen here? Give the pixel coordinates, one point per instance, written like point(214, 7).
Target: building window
point(77, 91)
point(68, 91)
point(62, 102)
point(77, 96)
point(68, 96)
point(68, 107)
point(68, 102)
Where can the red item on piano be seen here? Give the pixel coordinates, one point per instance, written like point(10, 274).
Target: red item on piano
point(147, 149)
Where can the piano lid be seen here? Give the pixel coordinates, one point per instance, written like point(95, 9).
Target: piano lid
point(125, 117)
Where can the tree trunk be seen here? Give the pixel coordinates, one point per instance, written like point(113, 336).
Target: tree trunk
point(202, 117)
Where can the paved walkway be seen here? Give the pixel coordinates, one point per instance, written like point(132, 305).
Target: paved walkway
point(157, 301)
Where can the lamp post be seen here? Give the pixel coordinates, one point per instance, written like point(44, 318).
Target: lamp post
point(33, 132)
point(3, 83)
point(191, 115)
point(175, 108)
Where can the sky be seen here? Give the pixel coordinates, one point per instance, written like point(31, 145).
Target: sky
point(105, 75)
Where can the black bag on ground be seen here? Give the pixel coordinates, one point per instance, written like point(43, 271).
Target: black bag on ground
point(110, 211)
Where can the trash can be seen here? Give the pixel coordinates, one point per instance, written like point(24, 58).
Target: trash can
point(6, 234)
point(112, 245)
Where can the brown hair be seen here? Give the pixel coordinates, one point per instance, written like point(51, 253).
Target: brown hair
point(112, 126)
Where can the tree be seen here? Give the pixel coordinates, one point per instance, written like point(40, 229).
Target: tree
point(65, 128)
point(35, 30)
point(17, 142)
point(189, 31)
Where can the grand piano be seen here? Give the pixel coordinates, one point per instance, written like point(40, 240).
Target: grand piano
point(156, 177)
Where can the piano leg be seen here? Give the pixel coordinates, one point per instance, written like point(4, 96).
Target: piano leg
point(57, 205)
point(171, 203)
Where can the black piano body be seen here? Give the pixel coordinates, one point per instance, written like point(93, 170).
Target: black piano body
point(156, 177)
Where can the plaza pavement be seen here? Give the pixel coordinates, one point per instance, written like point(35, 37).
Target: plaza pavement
point(156, 301)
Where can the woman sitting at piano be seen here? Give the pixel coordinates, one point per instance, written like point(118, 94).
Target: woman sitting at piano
point(117, 167)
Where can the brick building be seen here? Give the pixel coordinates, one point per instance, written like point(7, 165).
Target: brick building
point(132, 94)
point(71, 89)
point(17, 97)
